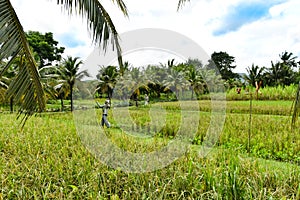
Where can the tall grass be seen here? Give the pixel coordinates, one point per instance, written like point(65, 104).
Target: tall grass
point(272, 137)
point(46, 160)
point(265, 93)
point(259, 107)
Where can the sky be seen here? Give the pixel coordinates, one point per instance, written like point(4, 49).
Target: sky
point(253, 31)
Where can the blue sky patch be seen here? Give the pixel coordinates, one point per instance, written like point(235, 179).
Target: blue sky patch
point(68, 40)
point(244, 13)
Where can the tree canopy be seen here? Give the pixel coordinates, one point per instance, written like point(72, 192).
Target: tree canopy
point(45, 47)
point(224, 64)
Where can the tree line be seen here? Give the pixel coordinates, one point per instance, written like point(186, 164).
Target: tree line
point(198, 78)
point(175, 80)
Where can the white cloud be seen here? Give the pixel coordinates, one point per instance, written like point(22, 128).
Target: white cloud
point(262, 41)
point(47, 16)
point(258, 42)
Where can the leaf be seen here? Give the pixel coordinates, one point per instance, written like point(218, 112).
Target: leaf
point(181, 4)
point(26, 87)
point(99, 23)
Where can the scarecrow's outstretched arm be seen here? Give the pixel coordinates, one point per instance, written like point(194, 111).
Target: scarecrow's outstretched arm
point(98, 104)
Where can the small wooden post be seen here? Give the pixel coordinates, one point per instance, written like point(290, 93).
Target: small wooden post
point(250, 123)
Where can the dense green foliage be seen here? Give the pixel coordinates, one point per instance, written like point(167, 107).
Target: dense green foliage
point(45, 47)
point(223, 62)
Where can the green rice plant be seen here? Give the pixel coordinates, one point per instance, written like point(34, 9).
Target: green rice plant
point(265, 93)
point(279, 107)
point(47, 160)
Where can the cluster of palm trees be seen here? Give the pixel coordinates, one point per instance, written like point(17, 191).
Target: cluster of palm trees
point(58, 81)
point(131, 82)
point(283, 72)
point(192, 76)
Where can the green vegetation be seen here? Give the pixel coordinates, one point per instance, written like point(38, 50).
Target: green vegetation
point(44, 47)
point(266, 93)
point(26, 88)
point(47, 159)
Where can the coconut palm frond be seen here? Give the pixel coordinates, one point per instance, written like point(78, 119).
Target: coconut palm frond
point(83, 74)
point(3, 85)
point(296, 109)
point(122, 6)
point(181, 3)
point(100, 24)
point(58, 86)
point(26, 88)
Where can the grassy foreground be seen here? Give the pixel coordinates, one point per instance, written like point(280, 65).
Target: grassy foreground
point(46, 160)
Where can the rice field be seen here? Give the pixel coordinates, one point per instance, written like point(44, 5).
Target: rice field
point(52, 158)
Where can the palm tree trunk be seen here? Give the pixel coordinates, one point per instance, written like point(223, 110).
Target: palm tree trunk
point(11, 104)
point(192, 93)
point(71, 93)
point(62, 103)
point(109, 93)
point(136, 101)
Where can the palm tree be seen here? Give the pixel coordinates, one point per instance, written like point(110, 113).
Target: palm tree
point(195, 79)
point(255, 77)
point(136, 81)
point(61, 91)
point(211, 81)
point(69, 73)
point(107, 77)
point(280, 74)
point(273, 74)
point(48, 77)
point(155, 76)
point(175, 81)
point(255, 74)
point(124, 68)
point(288, 62)
point(26, 87)
point(288, 59)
